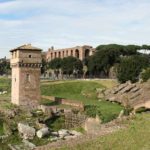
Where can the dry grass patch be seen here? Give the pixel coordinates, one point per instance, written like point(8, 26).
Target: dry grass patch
point(135, 137)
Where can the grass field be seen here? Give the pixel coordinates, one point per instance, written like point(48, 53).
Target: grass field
point(84, 91)
point(5, 84)
point(135, 137)
point(73, 90)
point(78, 90)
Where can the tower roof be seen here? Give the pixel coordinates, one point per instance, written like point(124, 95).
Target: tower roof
point(26, 47)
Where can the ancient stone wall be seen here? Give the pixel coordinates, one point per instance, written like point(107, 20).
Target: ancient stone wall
point(64, 101)
point(80, 52)
point(134, 95)
point(72, 103)
point(74, 120)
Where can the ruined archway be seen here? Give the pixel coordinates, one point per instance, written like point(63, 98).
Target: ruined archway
point(71, 53)
point(51, 55)
point(55, 54)
point(59, 54)
point(77, 53)
point(63, 54)
point(87, 53)
point(67, 53)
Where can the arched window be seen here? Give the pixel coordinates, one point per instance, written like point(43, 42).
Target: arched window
point(67, 53)
point(55, 54)
point(51, 55)
point(87, 53)
point(77, 53)
point(59, 54)
point(71, 52)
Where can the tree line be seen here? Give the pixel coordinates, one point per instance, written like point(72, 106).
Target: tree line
point(4, 67)
point(66, 67)
point(126, 60)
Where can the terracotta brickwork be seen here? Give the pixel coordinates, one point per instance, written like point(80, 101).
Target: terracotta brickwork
point(26, 64)
point(80, 52)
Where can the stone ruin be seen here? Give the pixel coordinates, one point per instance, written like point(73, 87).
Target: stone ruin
point(135, 95)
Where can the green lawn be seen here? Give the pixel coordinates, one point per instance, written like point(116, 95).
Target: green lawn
point(135, 137)
point(84, 91)
point(72, 90)
point(5, 84)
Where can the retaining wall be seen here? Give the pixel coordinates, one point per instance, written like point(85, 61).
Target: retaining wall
point(64, 101)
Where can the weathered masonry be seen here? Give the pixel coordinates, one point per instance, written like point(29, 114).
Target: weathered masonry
point(26, 64)
point(80, 52)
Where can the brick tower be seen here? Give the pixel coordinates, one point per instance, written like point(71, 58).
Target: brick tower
point(26, 64)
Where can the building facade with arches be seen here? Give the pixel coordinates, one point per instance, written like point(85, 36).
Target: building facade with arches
point(80, 52)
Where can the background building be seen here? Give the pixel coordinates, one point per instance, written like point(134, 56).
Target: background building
point(80, 52)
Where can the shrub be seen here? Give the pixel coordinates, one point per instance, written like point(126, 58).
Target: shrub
point(130, 67)
point(108, 118)
point(56, 123)
point(145, 75)
point(127, 110)
point(91, 110)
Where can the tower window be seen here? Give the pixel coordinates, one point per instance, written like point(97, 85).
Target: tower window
point(30, 56)
point(27, 77)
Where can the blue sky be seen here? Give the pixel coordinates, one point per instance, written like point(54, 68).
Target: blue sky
point(67, 23)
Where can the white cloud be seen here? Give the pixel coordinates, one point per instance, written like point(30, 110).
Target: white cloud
point(65, 23)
